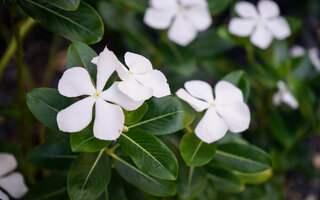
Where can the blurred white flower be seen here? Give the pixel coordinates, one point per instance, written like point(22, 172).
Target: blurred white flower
point(314, 58)
point(109, 118)
point(12, 183)
point(227, 111)
point(297, 51)
point(184, 17)
point(284, 96)
point(141, 82)
point(261, 24)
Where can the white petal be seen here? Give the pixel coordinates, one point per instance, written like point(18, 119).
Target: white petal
point(137, 63)
point(268, 9)
point(199, 17)
point(77, 116)
point(200, 89)
point(289, 99)
point(8, 163)
point(95, 60)
point(109, 121)
point(196, 104)
point(156, 81)
point(261, 37)
point(297, 51)
point(236, 115)
point(189, 3)
point(14, 185)
point(281, 86)
point(181, 31)
point(122, 71)
point(114, 95)
point(158, 19)
point(135, 90)
point(164, 4)
point(277, 98)
point(246, 9)
point(226, 93)
point(75, 82)
point(314, 58)
point(107, 64)
point(3, 196)
point(211, 127)
point(279, 28)
point(241, 26)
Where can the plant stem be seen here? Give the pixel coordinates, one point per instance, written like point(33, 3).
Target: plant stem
point(190, 176)
point(11, 49)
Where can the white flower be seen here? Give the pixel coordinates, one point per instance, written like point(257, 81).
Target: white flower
point(261, 24)
point(12, 183)
point(284, 96)
point(297, 51)
point(314, 58)
point(141, 82)
point(227, 111)
point(109, 118)
point(184, 17)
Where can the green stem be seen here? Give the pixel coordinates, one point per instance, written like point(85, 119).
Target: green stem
point(11, 49)
point(191, 170)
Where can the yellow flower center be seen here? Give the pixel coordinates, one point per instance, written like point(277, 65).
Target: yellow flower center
point(130, 72)
point(96, 95)
point(260, 20)
point(212, 104)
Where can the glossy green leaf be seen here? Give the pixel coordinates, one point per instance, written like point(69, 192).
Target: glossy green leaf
point(149, 154)
point(141, 180)
point(65, 4)
point(191, 182)
point(83, 24)
point(250, 163)
point(225, 180)
point(51, 136)
point(240, 79)
point(116, 191)
point(89, 175)
point(53, 187)
point(52, 156)
point(135, 116)
point(84, 141)
point(165, 115)
point(209, 192)
point(80, 55)
point(45, 103)
point(218, 6)
point(195, 152)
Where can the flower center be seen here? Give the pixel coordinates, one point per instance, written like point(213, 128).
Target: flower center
point(212, 104)
point(180, 9)
point(96, 95)
point(130, 72)
point(260, 20)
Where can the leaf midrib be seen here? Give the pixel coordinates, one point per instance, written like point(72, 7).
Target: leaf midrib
point(52, 194)
point(59, 15)
point(92, 168)
point(196, 151)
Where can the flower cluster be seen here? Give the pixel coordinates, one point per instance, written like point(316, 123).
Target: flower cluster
point(11, 182)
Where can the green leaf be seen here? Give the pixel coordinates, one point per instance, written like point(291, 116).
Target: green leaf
point(51, 136)
point(150, 154)
point(84, 141)
point(89, 175)
point(218, 6)
point(294, 23)
point(250, 163)
point(65, 4)
point(80, 55)
point(83, 24)
point(224, 33)
point(52, 156)
point(45, 103)
point(165, 115)
point(53, 187)
point(224, 179)
point(135, 116)
point(116, 190)
point(136, 177)
point(195, 152)
point(240, 79)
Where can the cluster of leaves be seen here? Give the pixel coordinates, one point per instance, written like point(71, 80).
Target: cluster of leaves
point(159, 154)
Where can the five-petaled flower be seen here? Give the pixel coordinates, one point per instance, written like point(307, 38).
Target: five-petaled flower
point(227, 111)
point(284, 96)
point(185, 18)
point(109, 117)
point(141, 82)
point(12, 183)
point(261, 25)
